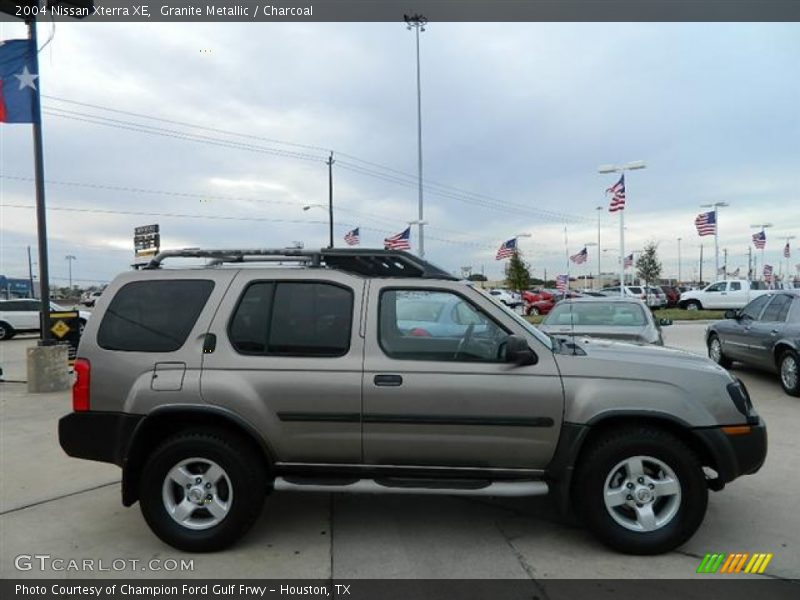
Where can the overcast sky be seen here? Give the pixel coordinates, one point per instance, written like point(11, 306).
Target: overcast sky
point(516, 120)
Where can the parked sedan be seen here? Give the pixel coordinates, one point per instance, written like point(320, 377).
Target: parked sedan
point(22, 316)
point(764, 334)
point(626, 319)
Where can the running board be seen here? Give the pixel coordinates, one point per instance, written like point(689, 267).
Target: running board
point(406, 486)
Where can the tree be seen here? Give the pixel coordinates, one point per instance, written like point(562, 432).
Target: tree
point(648, 267)
point(518, 276)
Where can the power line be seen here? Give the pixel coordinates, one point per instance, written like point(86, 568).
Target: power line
point(405, 178)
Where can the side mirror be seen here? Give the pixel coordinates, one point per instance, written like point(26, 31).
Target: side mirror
point(665, 322)
point(731, 314)
point(518, 351)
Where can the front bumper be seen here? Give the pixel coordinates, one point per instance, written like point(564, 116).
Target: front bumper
point(101, 436)
point(736, 454)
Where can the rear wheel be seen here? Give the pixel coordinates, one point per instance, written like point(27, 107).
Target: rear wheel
point(789, 369)
point(6, 331)
point(201, 491)
point(533, 311)
point(715, 352)
point(693, 305)
point(641, 490)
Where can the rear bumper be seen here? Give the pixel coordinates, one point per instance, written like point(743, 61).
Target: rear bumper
point(735, 455)
point(100, 436)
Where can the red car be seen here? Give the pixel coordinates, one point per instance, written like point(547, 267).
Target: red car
point(540, 307)
point(531, 296)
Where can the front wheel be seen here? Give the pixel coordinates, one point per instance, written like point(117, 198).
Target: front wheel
point(533, 311)
point(693, 305)
point(641, 491)
point(715, 352)
point(201, 491)
point(6, 331)
point(789, 368)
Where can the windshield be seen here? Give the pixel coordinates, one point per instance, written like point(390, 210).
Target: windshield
point(610, 314)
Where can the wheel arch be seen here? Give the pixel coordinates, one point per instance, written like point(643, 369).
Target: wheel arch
point(781, 347)
point(576, 439)
point(170, 420)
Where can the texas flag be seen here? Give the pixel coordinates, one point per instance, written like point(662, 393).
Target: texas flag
point(17, 81)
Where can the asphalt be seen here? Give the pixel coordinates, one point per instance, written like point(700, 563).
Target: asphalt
point(70, 509)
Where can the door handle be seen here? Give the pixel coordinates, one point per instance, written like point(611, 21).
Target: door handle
point(774, 332)
point(388, 380)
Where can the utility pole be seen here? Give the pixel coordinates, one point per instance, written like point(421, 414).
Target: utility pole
point(30, 272)
point(69, 258)
point(715, 206)
point(749, 263)
point(418, 22)
point(679, 261)
point(599, 253)
point(330, 199)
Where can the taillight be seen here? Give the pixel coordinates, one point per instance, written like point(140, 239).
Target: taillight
point(80, 389)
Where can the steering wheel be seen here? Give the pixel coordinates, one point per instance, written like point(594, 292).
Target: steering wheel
point(465, 340)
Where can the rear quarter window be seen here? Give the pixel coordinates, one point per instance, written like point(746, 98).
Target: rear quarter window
point(153, 316)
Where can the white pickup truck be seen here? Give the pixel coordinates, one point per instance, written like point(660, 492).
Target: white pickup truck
point(733, 293)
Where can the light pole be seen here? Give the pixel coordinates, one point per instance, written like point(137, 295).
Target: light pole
point(715, 206)
point(788, 255)
point(631, 166)
point(588, 245)
point(417, 22)
point(329, 208)
point(599, 210)
point(762, 226)
point(679, 261)
point(69, 258)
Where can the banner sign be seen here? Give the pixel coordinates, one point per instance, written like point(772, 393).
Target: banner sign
point(146, 241)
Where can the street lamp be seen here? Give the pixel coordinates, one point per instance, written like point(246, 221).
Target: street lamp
point(631, 166)
point(587, 245)
point(715, 206)
point(599, 210)
point(417, 22)
point(69, 258)
point(329, 208)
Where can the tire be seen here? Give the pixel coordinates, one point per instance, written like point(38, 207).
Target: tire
point(679, 508)
point(81, 325)
point(534, 311)
point(789, 372)
point(694, 305)
point(237, 488)
point(6, 331)
point(715, 352)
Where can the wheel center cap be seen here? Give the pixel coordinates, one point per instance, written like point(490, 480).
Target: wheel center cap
point(643, 495)
point(196, 495)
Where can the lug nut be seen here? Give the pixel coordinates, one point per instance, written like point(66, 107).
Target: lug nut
point(630, 497)
point(208, 497)
point(198, 480)
point(641, 479)
point(208, 486)
point(652, 486)
point(630, 485)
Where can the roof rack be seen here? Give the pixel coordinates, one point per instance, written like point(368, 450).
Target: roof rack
point(361, 261)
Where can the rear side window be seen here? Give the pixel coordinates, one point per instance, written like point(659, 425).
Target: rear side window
point(778, 308)
point(293, 319)
point(153, 316)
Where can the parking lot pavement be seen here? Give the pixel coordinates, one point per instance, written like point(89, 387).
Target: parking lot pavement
point(51, 504)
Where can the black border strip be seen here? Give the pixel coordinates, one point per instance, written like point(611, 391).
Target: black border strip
point(411, 419)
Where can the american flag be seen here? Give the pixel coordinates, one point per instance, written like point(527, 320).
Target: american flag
point(767, 272)
point(706, 223)
point(617, 192)
point(562, 283)
point(580, 257)
point(760, 239)
point(787, 251)
point(628, 262)
point(353, 237)
point(400, 241)
point(506, 249)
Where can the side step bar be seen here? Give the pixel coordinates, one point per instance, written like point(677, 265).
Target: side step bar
point(402, 486)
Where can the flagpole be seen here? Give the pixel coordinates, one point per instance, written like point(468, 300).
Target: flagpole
point(566, 254)
point(41, 212)
point(622, 253)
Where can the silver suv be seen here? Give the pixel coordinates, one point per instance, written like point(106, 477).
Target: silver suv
point(374, 371)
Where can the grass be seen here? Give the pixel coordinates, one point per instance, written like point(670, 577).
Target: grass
point(676, 314)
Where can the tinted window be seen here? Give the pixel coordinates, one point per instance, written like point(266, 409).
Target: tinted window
point(153, 316)
point(753, 310)
point(717, 287)
point(777, 309)
point(460, 331)
point(735, 286)
point(293, 318)
point(11, 306)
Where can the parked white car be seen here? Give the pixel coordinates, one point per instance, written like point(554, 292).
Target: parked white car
point(722, 295)
point(22, 316)
point(511, 299)
point(89, 298)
